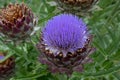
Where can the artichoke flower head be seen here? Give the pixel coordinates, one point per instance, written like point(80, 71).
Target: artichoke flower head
point(77, 7)
point(65, 44)
point(16, 21)
point(6, 67)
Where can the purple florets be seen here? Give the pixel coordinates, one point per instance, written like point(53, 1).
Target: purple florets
point(1, 57)
point(65, 33)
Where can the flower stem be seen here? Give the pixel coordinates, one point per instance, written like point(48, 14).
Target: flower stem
point(67, 77)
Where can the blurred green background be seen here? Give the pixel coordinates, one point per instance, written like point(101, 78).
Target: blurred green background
point(104, 24)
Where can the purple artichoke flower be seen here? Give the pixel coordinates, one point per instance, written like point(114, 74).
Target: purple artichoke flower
point(65, 44)
point(16, 21)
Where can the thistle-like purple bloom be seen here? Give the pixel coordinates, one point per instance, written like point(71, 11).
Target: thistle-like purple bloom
point(65, 33)
point(65, 44)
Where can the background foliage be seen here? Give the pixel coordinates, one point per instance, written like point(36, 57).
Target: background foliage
point(104, 25)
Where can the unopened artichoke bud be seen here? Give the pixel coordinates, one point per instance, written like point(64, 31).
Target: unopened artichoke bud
point(6, 67)
point(16, 21)
point(65, 44)
point(78, 7)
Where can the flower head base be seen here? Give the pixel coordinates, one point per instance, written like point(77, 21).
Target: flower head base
point(82, 3)
point(6, 67)
point(76, 6)
point(16, 21)
point(65, 44)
